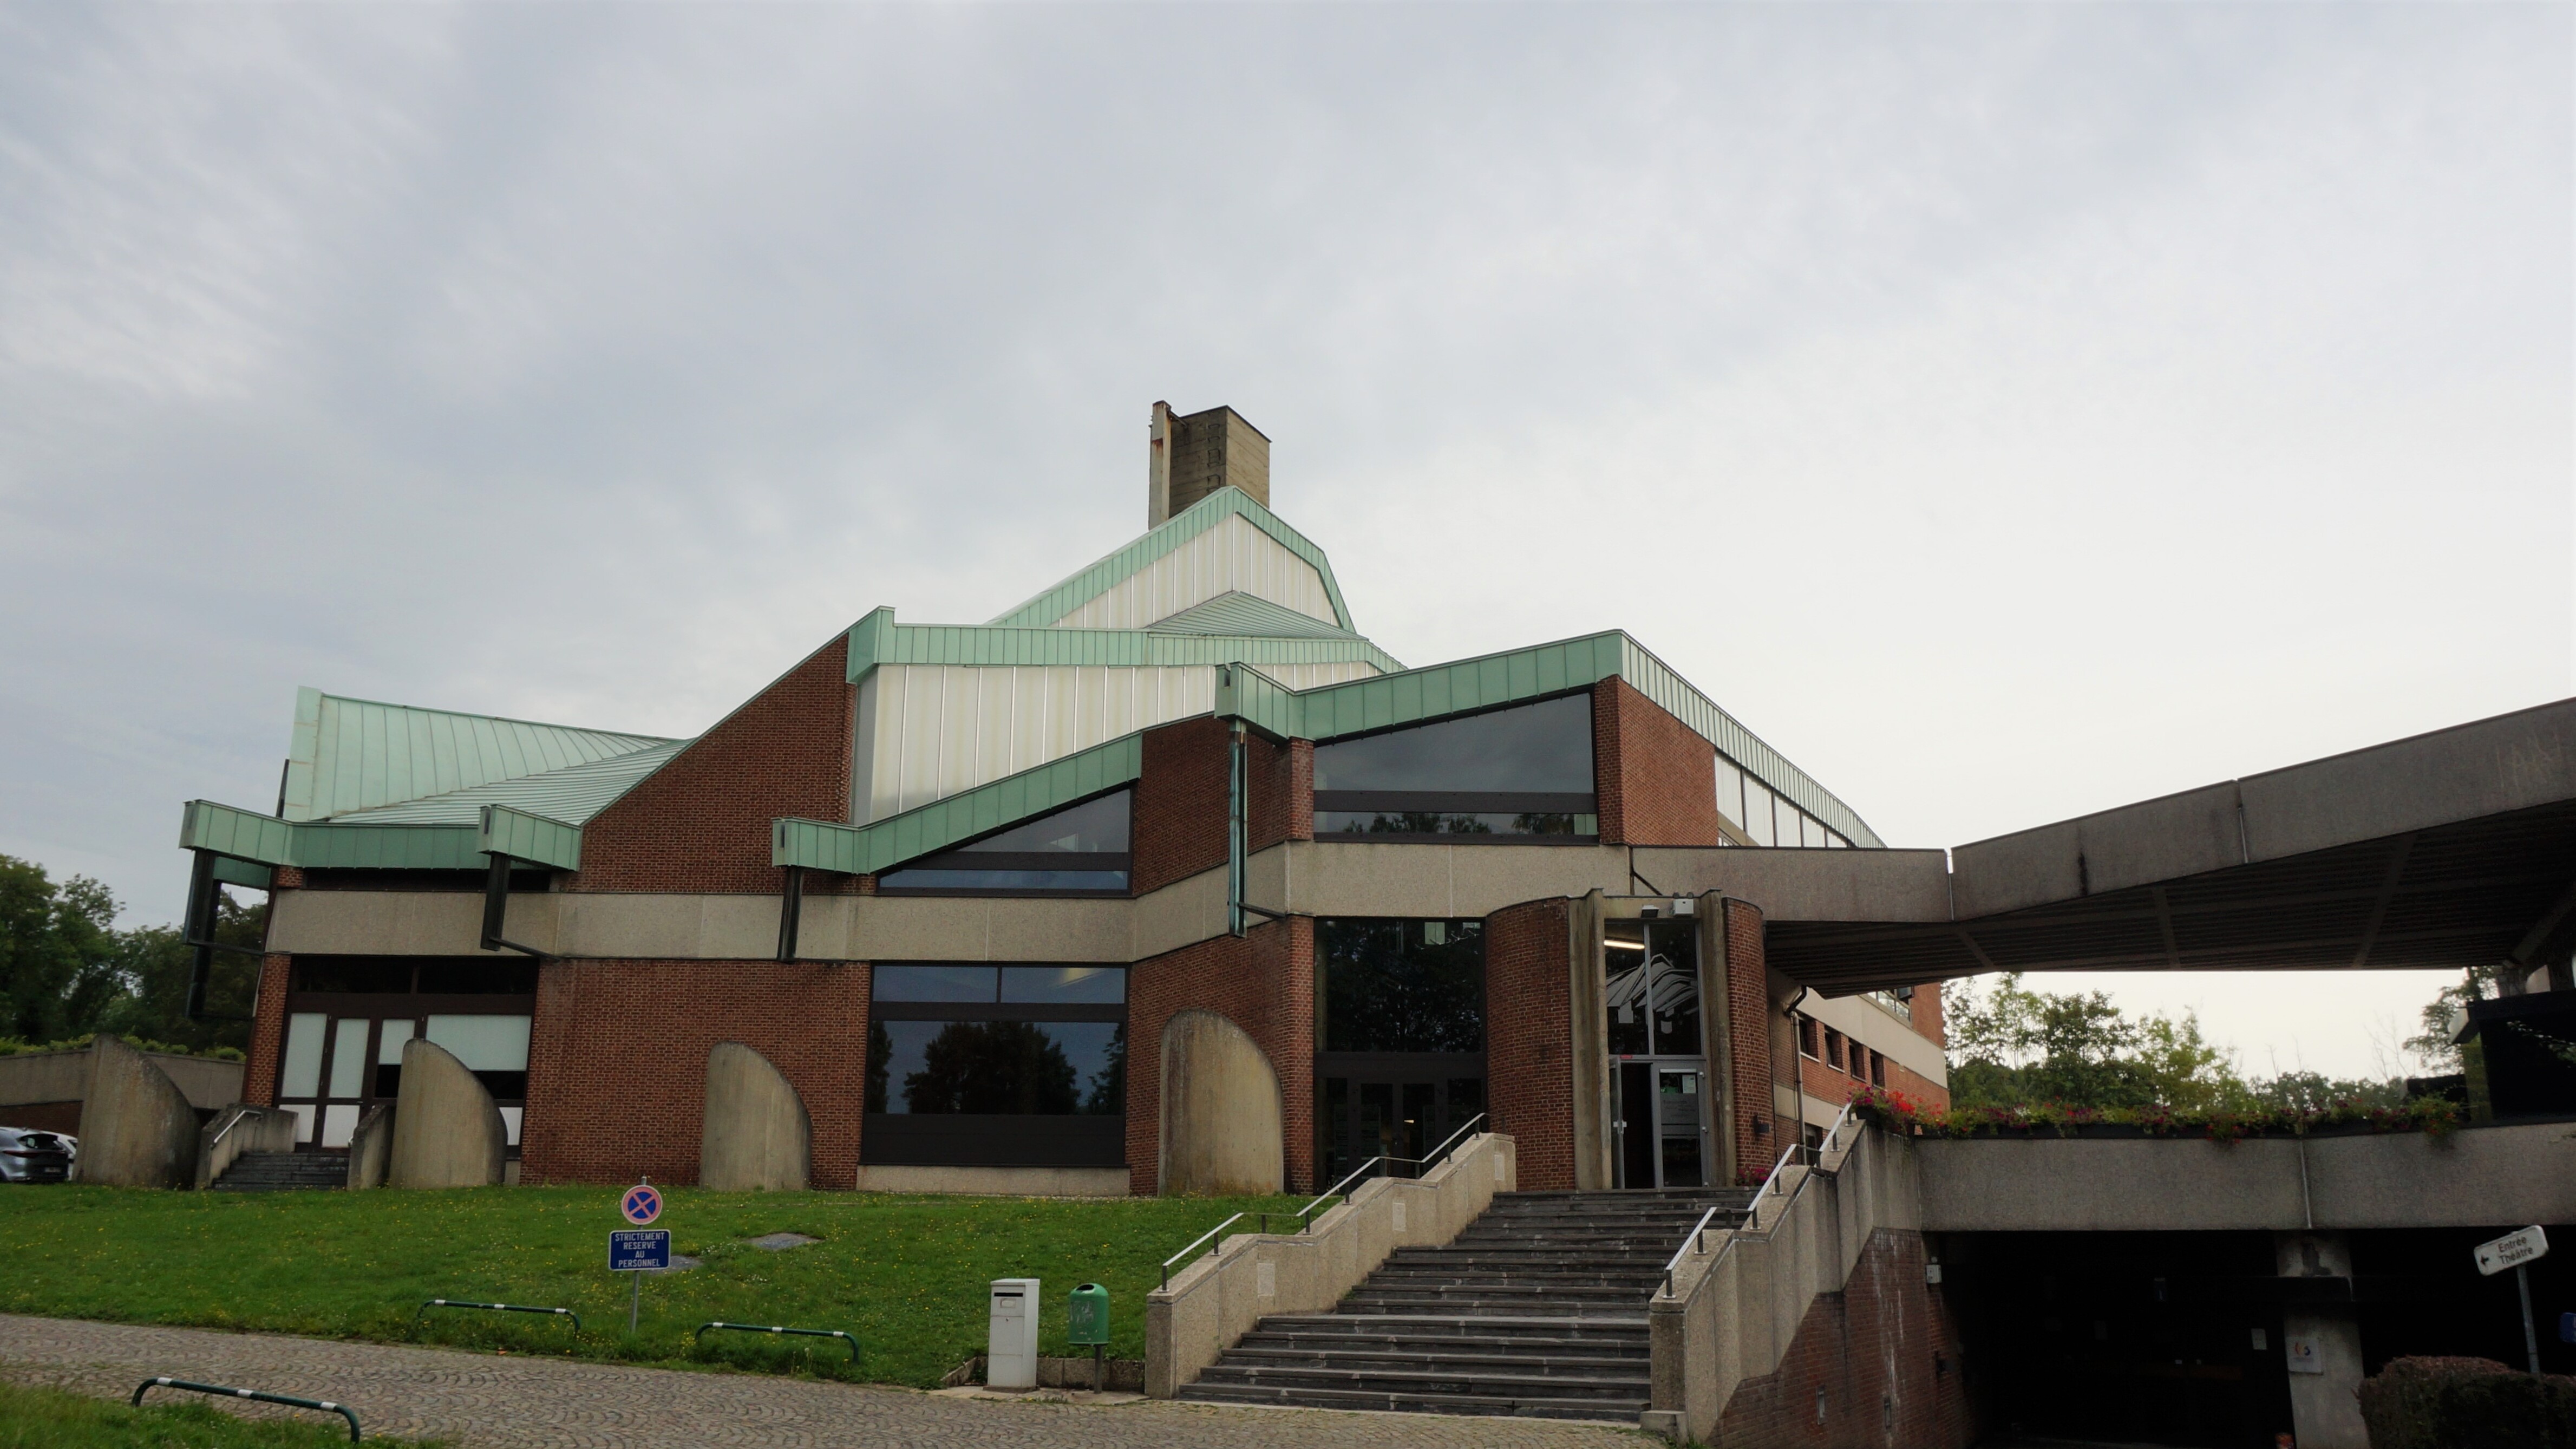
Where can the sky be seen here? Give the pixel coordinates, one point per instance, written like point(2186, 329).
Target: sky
point(2006, 411)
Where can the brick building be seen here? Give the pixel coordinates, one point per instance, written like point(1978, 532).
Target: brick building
point(1168, 879)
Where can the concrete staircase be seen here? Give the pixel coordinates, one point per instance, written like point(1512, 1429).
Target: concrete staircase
point(1538, 1309)
point(284, 1172)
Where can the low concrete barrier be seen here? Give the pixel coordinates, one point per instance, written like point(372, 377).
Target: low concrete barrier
point(1213, 1301)
point(757, 1133)
point(137, 1128)
point(371, 1147)
point(44, 1090)
point(446, 1131)
point(2476, 1177)
point(237, 1129)
point(1734, 1307)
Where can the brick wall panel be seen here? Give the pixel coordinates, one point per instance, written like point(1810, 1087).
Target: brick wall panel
point(1180, 810)
point(1263, 983)
point(267, 1032)
point(1656, 778)
point(617, 1063)
point(1883, 1354)
point(1529, 1066)
point(701, 822)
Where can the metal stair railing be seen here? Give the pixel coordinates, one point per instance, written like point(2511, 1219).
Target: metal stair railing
point(1696, 1242)
point(1212, 1239)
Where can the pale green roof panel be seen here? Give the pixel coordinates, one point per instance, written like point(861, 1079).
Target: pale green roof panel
point(878, 639)
point(1247, 615)
point(347, 755)
point(573, 794)
point(1189, 523)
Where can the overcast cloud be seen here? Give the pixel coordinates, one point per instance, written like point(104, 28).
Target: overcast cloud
point(2006, 411)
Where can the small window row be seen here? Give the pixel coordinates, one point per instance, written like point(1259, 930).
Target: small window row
point(1822, 1043)
point(1758, 811)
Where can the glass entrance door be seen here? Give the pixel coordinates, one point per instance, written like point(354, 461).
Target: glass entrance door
point(1659, 1077)
point(1392, 1109)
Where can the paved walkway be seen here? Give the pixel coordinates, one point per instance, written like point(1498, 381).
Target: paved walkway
point(484, 1400)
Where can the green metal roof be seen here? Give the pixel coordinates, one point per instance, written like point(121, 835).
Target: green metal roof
point(1247, 616)
point(348, 755)
point(1189, 523)
point(573, 794)
point(244, 835)
point(878, 639)
point(867, 849)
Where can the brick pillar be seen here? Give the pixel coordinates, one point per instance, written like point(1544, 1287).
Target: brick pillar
point(267, 1032)
point(1529, 1065)
point(1263, 983)
point(1758, 1139)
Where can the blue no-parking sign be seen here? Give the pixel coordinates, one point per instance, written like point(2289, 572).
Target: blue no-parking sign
point(635, 1252)
point(642, 1203)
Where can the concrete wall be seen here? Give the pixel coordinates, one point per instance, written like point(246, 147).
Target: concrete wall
point(2476, 1177)
point(371, 1148)
point(1213, 1301)
point(758, 1137)
point(1737, 1304)
point(1221, 1110)
point(31, 1077)
point(137, 1129)
point(447, 1133)
point(238, 1129)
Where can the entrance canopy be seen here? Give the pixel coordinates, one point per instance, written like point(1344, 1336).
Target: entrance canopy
point(2450, 849)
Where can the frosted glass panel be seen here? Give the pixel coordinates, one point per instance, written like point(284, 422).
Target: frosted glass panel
point(339, 1123)
point(1730, 793)
point(303, 1074)
point(1757, 812)
point(510, 1122)
point(348, 1059)
point(389, 1046)
point(303, 1118)
point(484, 1043)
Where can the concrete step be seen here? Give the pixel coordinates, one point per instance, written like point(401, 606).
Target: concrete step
point(1444, 1328)
point(1619, 1388)
point(285, 1172)
point(1524, 1363)
point(1621, 1411)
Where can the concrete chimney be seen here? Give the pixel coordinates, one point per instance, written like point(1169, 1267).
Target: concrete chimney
point(1195, 454)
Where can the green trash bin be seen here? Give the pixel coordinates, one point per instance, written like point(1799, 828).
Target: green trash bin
point(1087, 1316)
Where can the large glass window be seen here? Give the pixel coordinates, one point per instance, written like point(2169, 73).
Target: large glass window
point(1080, 850)
point(1518, 773)
point(349, 1016)
point(997, 1065)
point(1400, 1038)
point(1651, 988)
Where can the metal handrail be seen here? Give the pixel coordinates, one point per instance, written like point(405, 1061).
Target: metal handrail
point(1689, 1240)
point(701, 1335)
point(1753, 1210)
point(430, 1303)
point(1339, 1189)
point(226, 1130)
point(321, 1406)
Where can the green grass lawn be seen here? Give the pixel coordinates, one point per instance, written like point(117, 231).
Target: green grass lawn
point(52, 1419)
point(908, 1275)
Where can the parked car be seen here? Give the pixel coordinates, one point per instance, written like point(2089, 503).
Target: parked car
point(30, 1155)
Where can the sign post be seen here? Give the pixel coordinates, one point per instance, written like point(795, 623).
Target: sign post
point(639, 1252)
point(2518, 1250)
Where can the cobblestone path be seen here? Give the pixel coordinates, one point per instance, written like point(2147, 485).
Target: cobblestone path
point(491, 1402)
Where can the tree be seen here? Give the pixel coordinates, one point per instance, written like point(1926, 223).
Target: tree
point(58, 952)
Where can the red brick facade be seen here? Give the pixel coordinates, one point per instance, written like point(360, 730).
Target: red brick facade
point(1656, 778)
point(1875, 1366)
point(1758, 1139)
point(701, 822)
point(1529, 1039)
point(1180, 812)
point(617, 1064)
point(1929, 1023)
point(267, 1030)
point(1263, 983)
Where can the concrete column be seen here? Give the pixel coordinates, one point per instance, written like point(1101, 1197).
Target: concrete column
point(1717, 1032)
point(1222, 1123)
point(137, 1129)
point(447, 1133)
point(758, 1135)
point(1588, 1021)
point(2325, 1407)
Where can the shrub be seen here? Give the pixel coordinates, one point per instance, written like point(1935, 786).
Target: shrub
point(1902, 1114)
point(2467, 1403)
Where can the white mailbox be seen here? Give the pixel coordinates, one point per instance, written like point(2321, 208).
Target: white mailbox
point(1011, 1355)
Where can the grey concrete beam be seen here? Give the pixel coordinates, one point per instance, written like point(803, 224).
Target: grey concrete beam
point(1806, 885)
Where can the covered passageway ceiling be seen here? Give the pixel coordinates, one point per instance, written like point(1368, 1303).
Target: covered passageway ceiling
point(2450, 849)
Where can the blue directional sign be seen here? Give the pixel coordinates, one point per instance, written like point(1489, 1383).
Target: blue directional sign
point(635, 1252)
point(642, 1204)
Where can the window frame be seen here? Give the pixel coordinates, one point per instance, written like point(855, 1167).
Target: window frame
point(995, 1139)
point(1583, 806)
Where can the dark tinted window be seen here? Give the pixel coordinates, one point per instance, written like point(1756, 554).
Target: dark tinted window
point(1402, 986)
point(1079, 850)
point(1042, 1068)
point(1092, 985)
point(370, 974)
point(1544, 748)
point(1651, 990)
point(934, 983)
point(478, 978)
point(1089, 828)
